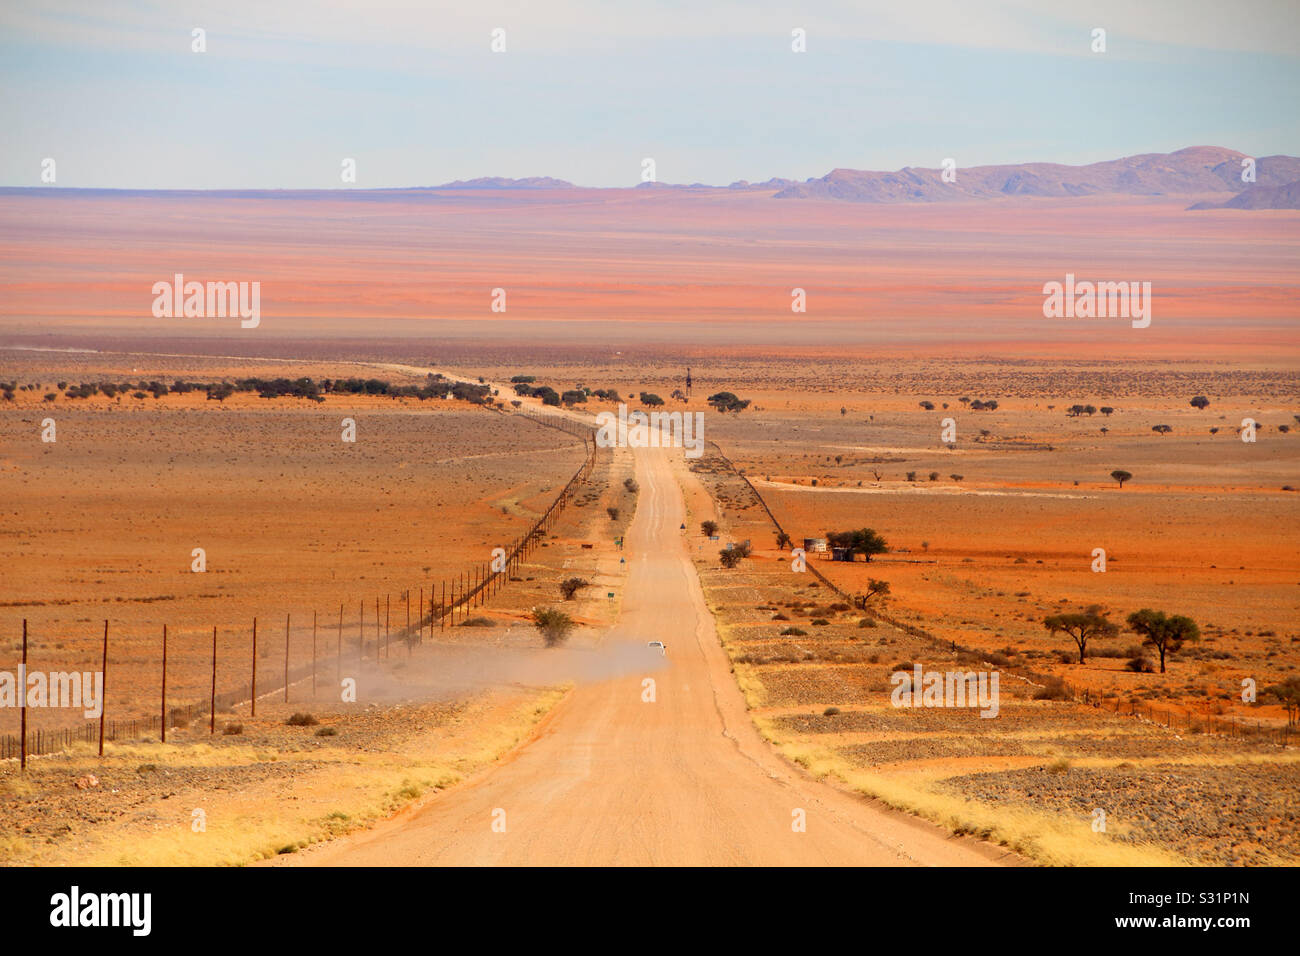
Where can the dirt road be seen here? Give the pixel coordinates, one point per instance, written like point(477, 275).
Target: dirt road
point(614, 779)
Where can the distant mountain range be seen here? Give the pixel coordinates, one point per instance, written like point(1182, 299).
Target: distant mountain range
point(1194, 171)
point(503, 182)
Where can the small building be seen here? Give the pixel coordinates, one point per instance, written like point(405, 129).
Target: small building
point(841, 554)
point(817, 545)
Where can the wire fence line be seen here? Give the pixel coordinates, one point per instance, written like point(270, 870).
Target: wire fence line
point(452, 600)
point(1235, 727)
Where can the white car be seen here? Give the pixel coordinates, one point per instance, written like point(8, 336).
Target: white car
point(659, 646)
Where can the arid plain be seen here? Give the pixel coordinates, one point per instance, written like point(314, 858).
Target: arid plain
point(624, 290)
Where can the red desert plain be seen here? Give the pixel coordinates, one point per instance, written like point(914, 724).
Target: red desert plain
point(714, 267)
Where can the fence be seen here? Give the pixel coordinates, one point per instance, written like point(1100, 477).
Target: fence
point(1207, 723)
point(1189, 723)
point(467, 590)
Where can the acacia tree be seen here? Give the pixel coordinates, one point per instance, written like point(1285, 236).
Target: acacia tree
point(1288, 695)
point(1199, 401)
point(1120, 475)
point(710, 528)
point(728, 402)
point(875, 589)
point(862, 541)
point(1082, 627)
point(1166, 633)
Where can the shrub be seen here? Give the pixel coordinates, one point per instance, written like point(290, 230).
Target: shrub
point(327, 732)
point(710, 528)
point(820, 622)
point(730, 557)
point(554, 625)
point(300, 719)
point(232, 730)
point(613, 513)
point(477, 622)
point(830, 711)
point(794, 632)
point(571, 586)
point(1053, 689)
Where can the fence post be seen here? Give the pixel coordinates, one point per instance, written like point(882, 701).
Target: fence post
point(252, 697)
point(162, 723)
point(419, 616)
point(442, 607)
point(212, 699)
point(313, 655)
point(103, 691)
point(22, 728)
point(376, 627)
point(338, 652)
point(361, 632)
point(388, 615)
point(286, 658)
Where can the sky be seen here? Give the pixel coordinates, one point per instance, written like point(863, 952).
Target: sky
point(585, 90)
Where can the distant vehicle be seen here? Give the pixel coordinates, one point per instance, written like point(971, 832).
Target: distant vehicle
point(660, 646)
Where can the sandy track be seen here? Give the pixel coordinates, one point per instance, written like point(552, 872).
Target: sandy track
point(613, 780)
